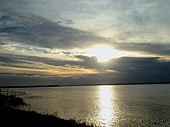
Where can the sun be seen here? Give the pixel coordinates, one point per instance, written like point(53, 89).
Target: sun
point(104, 53)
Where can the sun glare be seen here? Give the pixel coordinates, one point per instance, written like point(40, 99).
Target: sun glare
point(104, 52)
point(107, 108)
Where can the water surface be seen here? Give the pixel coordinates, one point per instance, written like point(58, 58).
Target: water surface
point(108, 106)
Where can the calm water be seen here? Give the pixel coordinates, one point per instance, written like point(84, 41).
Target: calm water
point(108, 106)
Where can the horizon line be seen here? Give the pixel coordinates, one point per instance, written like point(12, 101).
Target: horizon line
point(97, 84)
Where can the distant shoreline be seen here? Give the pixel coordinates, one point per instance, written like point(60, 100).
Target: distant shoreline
point(133, 83)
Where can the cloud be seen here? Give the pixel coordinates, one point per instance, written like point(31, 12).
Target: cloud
point(43, 33)
point(49, 24)
point(118, 70)
point(136, 69)
point(142, 69)
point(35, 62)
point(67, 22)
point(124, 20)
point(32, 65)
point(151, 48)
point(35, 34)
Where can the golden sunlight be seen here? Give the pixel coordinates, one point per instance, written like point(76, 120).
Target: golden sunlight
point(107, 112)
point(104, 52)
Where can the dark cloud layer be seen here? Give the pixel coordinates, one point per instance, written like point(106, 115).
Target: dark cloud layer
point(128, 69)
point(11, 60)
point(38, 31)
point(158, 48)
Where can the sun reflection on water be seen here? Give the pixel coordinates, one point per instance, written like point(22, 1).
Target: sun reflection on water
point(107, 109)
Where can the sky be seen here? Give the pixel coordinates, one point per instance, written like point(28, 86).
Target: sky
point(74, 42)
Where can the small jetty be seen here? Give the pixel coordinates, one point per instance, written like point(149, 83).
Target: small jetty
point(11, 92)
point(9, 97)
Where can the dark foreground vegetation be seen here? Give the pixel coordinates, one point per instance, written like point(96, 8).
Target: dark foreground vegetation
point(12, 117)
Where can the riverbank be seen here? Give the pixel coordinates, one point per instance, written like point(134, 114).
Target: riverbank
point(10, 116)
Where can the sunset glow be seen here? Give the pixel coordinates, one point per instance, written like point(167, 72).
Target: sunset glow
point(104, 53)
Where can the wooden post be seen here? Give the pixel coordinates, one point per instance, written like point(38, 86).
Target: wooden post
point(7, 92)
